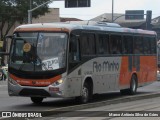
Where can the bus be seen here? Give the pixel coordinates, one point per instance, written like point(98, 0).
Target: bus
point(78, 60)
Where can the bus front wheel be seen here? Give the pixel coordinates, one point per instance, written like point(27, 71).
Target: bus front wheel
point(86, 94)
point(37, 100)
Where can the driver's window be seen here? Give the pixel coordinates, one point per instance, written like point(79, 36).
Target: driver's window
point(74, 48)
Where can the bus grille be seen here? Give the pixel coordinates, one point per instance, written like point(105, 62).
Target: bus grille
point(34, 92)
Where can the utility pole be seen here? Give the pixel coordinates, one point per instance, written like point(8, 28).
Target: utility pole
point(148, 20)
point(112, 10)
point(31, 10)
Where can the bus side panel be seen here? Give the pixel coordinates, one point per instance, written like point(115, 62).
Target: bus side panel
point(104, 71)
point(125, 72)
point(148, 69)
point(145, 69)
point(74, 82)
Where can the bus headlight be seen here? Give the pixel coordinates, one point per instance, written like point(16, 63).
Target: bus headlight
point(58, 82)
point(13, 82)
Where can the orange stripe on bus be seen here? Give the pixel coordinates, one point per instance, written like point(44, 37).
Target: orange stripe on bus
point(147, 72)
point(41, 29)
point(35, 82)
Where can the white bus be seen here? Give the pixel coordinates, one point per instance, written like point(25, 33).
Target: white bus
point(71, 60)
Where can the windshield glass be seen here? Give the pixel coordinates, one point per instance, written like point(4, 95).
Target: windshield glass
point(38, 51)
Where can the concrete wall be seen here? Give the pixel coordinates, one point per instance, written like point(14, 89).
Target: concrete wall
point(52, 16)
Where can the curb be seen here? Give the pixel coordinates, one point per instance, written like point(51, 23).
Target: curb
point(99, 104)
point(58, 111)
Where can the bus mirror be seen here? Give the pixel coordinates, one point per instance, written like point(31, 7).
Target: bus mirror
point(9, 37)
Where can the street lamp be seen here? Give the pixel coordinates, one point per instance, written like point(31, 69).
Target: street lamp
point(31, 10)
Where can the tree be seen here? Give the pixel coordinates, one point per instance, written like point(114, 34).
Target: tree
point(12, 11)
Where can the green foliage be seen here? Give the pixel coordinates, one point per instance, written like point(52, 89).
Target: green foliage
point(12, 11)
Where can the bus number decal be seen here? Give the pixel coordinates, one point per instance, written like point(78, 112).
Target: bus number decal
point(50, 64)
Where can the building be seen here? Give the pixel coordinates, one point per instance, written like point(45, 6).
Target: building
point(51, 16)
point(117, 18)
point(156, 26)
point(69, 19)
point(135, 24)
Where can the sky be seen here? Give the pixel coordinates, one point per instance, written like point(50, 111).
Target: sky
point(99, 7)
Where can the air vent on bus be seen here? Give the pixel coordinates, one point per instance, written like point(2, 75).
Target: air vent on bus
point(94, 23)
point(106, 24)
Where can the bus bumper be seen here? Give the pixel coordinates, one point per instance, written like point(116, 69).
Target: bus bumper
point(30, 91)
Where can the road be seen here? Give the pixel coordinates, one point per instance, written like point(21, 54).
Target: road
point(8, 103)
point(146, 109)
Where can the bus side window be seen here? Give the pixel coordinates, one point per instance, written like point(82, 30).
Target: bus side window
point(88, 44)
point(74, 48)
point(116, 44)
point(127, 44)
point(153, 45)
point(103, 44)
point(147, 49)
point(138, 45)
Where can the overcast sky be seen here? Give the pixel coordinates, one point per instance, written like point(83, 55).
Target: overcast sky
point(99, 7)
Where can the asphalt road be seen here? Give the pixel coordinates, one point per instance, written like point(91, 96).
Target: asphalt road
point(146, 109)
point(8, 103)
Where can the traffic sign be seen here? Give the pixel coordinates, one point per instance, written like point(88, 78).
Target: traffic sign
point(77, 3)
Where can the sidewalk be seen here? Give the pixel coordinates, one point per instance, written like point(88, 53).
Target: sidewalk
point(3, 82)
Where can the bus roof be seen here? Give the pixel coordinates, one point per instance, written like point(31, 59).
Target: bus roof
point(84, 25)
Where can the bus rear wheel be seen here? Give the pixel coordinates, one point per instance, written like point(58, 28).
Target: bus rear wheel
point(133, 86)
point(37, 100)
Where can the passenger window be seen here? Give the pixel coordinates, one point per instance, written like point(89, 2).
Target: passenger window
point(88, 44)
point(116, 44)
point(127, 44)
point(147, 48)
point(153, 45)
point(103, 44)
point(138, 45)
point(74, 48)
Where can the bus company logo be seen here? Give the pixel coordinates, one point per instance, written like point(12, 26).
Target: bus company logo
point(6, 114)
point(105, 66)
point(33, 82)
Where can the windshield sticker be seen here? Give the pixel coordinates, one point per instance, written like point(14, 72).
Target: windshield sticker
point(50, 64)
point(41, 36)
point(26, 47)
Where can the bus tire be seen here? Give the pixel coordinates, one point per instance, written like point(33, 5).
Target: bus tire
point(86, 94)
point(37, 100)
point(133, 85)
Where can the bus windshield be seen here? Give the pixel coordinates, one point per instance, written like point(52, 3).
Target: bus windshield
point(39, 51)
